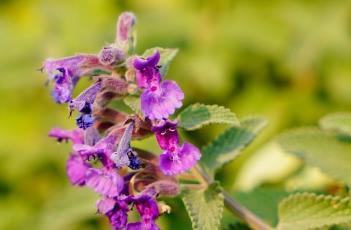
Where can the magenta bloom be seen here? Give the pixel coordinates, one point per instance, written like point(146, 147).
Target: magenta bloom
point(76, 135)
point(166, 135)
point(180, 160)
point(161, 101)
point(107, 182)
point(116, 210)
point(77, 169)
point(160, 98)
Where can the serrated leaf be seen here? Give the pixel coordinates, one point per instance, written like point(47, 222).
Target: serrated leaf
point(133, 102)
point(167, 55)
point(325, 150)
point(340, 122)
point(198, 115)
point(309, 211)
point(229, 144)
point(205, 208)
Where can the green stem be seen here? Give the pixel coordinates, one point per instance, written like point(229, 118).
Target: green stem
point(250, 218)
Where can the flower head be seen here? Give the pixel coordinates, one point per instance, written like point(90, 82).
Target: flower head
point(147, 74)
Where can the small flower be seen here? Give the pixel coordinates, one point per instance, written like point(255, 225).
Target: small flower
point(147, 74)
point(66, 72)
point(180, 160)
point(76, 135)
point(148, 210)
point(116, 210)
point(83, 103)
point(161, 101)
point(107, 182)
point(84, 121)
point(77, 169)
point(166, 134)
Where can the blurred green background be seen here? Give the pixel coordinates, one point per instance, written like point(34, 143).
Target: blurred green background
point(287, 60)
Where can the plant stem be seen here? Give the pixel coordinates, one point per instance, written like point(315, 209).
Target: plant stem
point(250, 218)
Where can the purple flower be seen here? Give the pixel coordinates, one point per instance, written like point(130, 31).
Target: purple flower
point(148, 210)
point(66, 72)
point(76, 135)
point(77, 169)
point(85, 121)
point(162, 101)
point(166, 135)
point(110, 55)
point(83, 103)
point(180, 160)
point(147, 74)
point(107, 182)
point(116, 210)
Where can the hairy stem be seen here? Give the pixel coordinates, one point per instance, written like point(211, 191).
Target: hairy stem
point(250, 218)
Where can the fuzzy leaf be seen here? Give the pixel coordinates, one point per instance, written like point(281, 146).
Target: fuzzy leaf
point(197, 115)
point(340, 122)
point(325, 150)
point(205, 208)
point(229, 144)
point(167, 55)
point(309, 211)
point(133, 103)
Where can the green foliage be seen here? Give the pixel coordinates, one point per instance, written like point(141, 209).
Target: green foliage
point(205, 208)
point(134, 104)
point(229, 144)
point(326, 150)
point(198, 115)
point(263, 202)
point(167, 55)
point(340, 122)
point(309, 211)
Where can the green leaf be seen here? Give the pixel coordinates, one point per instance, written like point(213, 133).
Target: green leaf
point(134, 104)
point(340, 122)
point(197, 115)
point(325, 150)
point(167, 55)
point(309, 211)
point(205, 208)
point(229, 144)
point(267, 207)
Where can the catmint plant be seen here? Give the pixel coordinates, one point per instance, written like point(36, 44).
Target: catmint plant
point(104, 160)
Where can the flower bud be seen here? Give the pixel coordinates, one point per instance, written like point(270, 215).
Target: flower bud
point(110, 55)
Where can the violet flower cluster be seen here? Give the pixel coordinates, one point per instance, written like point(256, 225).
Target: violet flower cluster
point(102, 157)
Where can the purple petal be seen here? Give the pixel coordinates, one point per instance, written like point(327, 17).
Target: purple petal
point(118, 219)
point(151, 61)
point(142, 226)
point(170, 163)
point(105, 181)
point(84, 121)
point(76, 170)
point(76, 135)
point(166, 135)
point(179, 161)
point(162, 102)
point(189, 155)
point(83, 103)
point(110, 55)
point(147, 207)
point(105, 205)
